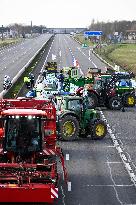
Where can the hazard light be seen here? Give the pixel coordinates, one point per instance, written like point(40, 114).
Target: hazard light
point(1, 132)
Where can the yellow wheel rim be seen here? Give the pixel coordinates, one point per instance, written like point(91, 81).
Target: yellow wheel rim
point(131, 100)
point(100, 130)
point(68, 128)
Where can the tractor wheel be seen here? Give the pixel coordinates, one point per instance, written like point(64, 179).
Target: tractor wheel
point(98, 129)
point(129, 100)
point(92, 100)
point(69, 128)
point(115, 103)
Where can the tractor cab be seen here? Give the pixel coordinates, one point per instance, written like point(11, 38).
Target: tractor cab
point(22, 134)
point(71, 72)
point(51, 67)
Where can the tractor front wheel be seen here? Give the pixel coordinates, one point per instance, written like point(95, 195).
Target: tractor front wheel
point(98, 129)
point(69, 128)
point(129, 100)
point(115, 103)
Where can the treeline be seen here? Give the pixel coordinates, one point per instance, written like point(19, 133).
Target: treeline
point(21, 29)
point(26, 28)
point(111, 27)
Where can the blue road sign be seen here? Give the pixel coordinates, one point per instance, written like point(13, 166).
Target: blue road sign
point(93, 33)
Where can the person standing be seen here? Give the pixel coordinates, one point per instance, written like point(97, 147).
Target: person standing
point(32, 78)
point(60, 81)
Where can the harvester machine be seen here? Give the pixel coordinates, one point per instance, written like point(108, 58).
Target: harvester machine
point(28, 151)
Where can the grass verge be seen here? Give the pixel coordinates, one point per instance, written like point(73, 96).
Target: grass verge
point(7, 42)
point(81, 38)
point(123, 55)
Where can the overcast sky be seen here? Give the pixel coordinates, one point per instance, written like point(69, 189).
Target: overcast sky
point(65, 13)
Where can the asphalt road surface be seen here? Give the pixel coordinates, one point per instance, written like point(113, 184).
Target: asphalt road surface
point(100, 172)
point(14, 57)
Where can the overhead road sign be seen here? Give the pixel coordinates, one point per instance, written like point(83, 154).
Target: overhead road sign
point(84, 45)
point(93, 33)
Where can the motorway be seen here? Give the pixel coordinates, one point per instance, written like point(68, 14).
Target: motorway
point(100, 172)
point(15, 57)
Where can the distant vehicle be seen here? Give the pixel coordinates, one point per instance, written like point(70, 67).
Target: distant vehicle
point(7, 82)
point(72, 33)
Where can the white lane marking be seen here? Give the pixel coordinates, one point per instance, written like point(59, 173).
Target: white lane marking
point(63, 196)
point(115, 162)
point(67, 157)
point(81, 72)
point(89, 54)
point(111, 185)
point(69, 186)
point(87, 57)
point(126, 161)
point(114, 184)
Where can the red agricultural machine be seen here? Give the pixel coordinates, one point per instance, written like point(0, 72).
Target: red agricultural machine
point(28, 166)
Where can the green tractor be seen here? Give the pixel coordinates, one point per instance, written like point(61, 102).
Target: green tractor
point(108, 91)
point(75, 119)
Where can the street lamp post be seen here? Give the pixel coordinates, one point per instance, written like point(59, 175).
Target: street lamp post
point(2, 33)
point(31, 28)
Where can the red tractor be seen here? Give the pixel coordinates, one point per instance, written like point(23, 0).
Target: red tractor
point(28, 166)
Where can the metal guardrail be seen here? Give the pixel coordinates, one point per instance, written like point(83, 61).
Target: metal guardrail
point(128, 41)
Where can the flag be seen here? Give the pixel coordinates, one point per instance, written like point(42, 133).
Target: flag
point(76, 63)
point(53, 57)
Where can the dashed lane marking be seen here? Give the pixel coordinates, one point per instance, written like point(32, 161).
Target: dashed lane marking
point(126, 161)
point(69, 186)
point(67, 157)
point(111, 185)
point(114, 162)
point(114, 185)
point(63, 196)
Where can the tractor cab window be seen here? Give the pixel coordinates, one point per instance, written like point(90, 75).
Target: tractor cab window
point(60, 104)
point(23, 135)
point(98, 84)
point(74, 105)
point(124, 82)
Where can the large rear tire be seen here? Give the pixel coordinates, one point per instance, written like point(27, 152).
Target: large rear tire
point(69, 128)
point(98, 129)
point(115, 103)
